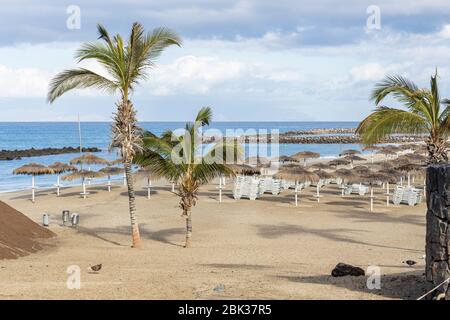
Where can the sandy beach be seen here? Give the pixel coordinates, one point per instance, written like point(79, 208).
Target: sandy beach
point(263, 249)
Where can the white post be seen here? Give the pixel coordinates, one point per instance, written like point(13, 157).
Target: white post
point(387, 188)
point(296, 194)
point(372, 157)
point(318, 192)
point(401, 180)
point(32, 188)
point(109, 183)
point(173, 187)
point(371, 199)
point(124, 179)
point(424, 187)
point(409, 180)
point(149, 190)
point(89, 180)
point(84, 190)
point(57, 185)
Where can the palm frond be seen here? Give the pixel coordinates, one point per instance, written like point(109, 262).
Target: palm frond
point(78, 79)
point(386, 121)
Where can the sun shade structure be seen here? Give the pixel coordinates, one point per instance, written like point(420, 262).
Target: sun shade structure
point(339, 162)
point(349, 152)
point(111, 171)
point(353, 158)
point(244, 169)
point(296, 174)
point(361, 169)
point(58, 168)
point(409, 168)
point(321, 165)
point(115, 162)
point(148, 174)
point(287, 159)
point(372, 179)
point(83, 175)
point(304, 155)
point(33, 169)
point(89, 158)
point(372, 148)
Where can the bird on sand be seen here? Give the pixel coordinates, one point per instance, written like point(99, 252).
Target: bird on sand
point(95, 268)
point(410, 262)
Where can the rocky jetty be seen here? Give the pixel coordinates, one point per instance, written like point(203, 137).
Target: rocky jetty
point(19, 154)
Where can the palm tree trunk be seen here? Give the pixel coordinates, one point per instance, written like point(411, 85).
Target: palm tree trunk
point(188, 228)
point(437, 151)
point(132, 204)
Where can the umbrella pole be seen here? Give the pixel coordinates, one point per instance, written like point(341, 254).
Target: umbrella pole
point(124, 180)
point(32, 188)
point(409, 180)
point(173, 187)
point(57, 186)
point(424, 187)
point(318, 192)
point(296, 193)
point(149, 190)
point(109, 183)
point(401, 181)
point(371, 199)
point(371, 158)
point(84, 189)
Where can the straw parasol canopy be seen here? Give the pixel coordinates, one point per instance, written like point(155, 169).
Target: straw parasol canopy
point(303, 155)
point(353, 157)
point(386, 152)
point(287, 159)
point(243, 169)
point(415, 157)
point(33, 169)
point(324, 174)
point(344, 173)
point(361, 169)
point(349, 152)
point(339, 162)
point(257, 161)
point(89, 158)
point(111, 171)
point(371, 148)
point(321, 165)
point(296, 174)
point(393, 148)
point(114, 162)
point(410, 167)
point(372, 178)
point(83, 174)
point(60, 167)
point(392, 175)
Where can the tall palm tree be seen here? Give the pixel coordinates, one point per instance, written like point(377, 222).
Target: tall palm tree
point(425, 113)
point(186, 160)
point(126, 64)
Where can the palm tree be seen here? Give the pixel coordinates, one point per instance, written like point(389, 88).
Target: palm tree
point(191, 165)
point(426, 113)
point(126, 64)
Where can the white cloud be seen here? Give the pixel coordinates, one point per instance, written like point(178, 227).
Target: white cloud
point(23, 82)
point(193, 75)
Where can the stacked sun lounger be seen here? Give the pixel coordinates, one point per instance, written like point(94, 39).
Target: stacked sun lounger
point(356, 189)
point(247, 187)
point(408, 195)
point(270, 185)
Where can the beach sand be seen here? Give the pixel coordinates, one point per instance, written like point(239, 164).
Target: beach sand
point(263, 249)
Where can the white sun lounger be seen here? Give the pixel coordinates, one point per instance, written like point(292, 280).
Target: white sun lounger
point(407, 195)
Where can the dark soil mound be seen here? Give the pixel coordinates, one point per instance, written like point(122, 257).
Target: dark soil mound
point(19, 234)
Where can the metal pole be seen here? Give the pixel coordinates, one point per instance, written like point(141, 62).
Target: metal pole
point(57, 186)
point(371, 199)
point(32, 188)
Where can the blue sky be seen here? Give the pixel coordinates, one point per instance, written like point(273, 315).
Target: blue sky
point(249, 60)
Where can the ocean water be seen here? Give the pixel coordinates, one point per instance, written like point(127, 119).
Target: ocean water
point(16, 135)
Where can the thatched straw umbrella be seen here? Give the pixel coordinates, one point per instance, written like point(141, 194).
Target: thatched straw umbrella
point(386, 152)
point(372, 179)
point(115, 162)
point(243, 169)
point(149, 175)
point(372, 148)
point(415, 158)
point(58, 168)
point(321, 165)
point(287, 159)
point(296, 174)
point(33, 169)
point(352, 158)
point(410, 167)
point(257, 161)
point(349, 152)
point(88, 159)
point(83, 175)
point(361, 169)
point(304, 155)
point(322, 175)
point(392, 176)
point(339, 162)
point(111, 171)
point(345, 175)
